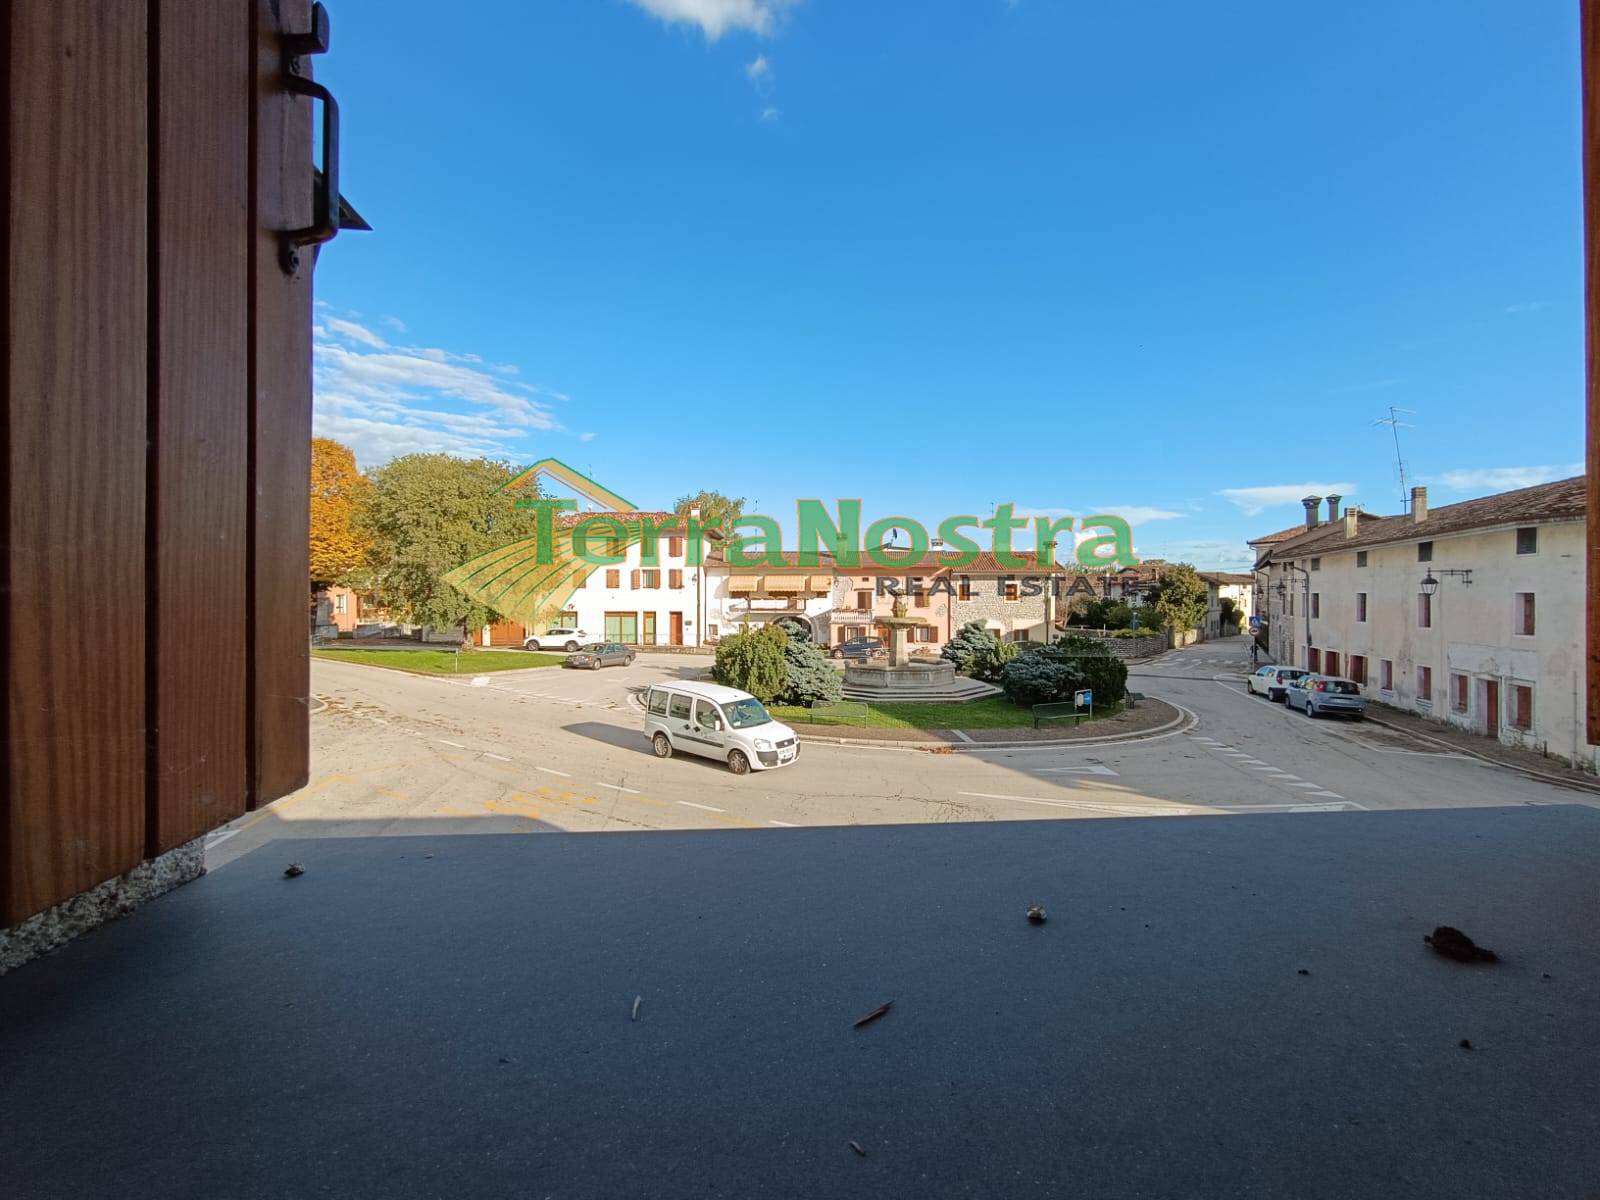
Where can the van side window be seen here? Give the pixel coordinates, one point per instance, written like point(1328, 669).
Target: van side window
point(707, 714)
point(680, 708)
point(658, 702)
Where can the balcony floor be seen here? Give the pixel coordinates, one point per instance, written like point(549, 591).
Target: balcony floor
point(397, 1025)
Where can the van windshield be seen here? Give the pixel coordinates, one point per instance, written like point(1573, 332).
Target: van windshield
point(742, 714)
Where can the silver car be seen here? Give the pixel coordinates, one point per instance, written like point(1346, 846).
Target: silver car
point(1327, 695)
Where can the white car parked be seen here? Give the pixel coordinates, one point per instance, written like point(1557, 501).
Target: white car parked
point(1273, 681)
point(717, 722)
point(568, 639)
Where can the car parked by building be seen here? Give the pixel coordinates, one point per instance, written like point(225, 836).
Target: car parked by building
point(1273, 681)
point(1326, 695)
point(860, 649)
point(717, 722)
point(601, 654)
point(568, 638)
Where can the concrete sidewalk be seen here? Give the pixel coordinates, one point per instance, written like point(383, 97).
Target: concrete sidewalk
point(1235, 1006)
point(1530, 762)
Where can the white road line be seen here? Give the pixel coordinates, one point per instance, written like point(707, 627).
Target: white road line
point(1264, 767)
point(216, 839)
point(707, 807)
point(553, 771)
point(1089, 769)
point(1331, 795)
point(1309, 786)
point(619, 788)
point(781, 824)
point(961, 735)
point(1252, 762)
point(1285, 777)
point(496, 757)
point(457, 745)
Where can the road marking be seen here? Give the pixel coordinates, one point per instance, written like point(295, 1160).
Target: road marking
point(618, 787)
point(457, 745)
point(1331, 795)
point(1305, 785)
point(707, 807)
point(1252, 762)
point(781, 824)
point(553, 771)
point(1121, 810)
point(962, 736)
point(1090, 769)
point(496, 757)
point(1304, 808)
point(216, 839)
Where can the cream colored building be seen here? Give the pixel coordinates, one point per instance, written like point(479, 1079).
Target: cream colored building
point(1472, 613)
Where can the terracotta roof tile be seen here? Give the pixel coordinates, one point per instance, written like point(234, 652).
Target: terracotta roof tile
point(1563, 500)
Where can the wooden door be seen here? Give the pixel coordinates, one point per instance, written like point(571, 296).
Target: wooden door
point(649, 638)
point(676, 630)
point(1491, 707)
point(157, 432)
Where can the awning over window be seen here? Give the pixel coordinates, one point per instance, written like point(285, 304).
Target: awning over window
point(786, 583)
point(821, 583)
point(743, 583)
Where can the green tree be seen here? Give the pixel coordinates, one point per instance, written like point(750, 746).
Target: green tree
point(715, 508)
point(754, 662)
point(809, 675)
point(1180, 599)
point(1053, 674)
point(968, 641)
point(427, 513)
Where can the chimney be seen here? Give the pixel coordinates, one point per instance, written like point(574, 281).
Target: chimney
point(1333, 507)
point(1419, 505)
point(1352, 521)
point(1311, 503)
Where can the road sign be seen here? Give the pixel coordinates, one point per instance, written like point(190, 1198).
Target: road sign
point(1255, 624)
point(1083, 699)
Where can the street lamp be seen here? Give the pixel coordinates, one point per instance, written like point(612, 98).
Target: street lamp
point(1429, 584)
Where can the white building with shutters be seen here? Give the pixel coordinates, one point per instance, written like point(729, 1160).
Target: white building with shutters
point(1472, 614)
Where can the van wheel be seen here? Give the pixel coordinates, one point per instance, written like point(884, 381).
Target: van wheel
point(662, 745)
point(738, 763)
point(571, 647)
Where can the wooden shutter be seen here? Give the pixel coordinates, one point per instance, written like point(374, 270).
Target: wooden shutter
point(157, 413)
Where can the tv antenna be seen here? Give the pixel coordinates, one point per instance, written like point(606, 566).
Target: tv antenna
point(1395, 425)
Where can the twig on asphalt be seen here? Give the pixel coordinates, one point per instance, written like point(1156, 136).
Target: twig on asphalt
point(637, 1000)
point(856, 1146)
point(873, 1015)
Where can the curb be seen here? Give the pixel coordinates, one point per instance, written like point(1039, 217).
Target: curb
point(1578, 784)
point(1054, 743)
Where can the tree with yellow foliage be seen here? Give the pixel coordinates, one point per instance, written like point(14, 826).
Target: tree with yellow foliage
point(338, 545)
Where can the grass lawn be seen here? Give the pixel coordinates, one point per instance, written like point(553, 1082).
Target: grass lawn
point(994, 713)
point(443, 662)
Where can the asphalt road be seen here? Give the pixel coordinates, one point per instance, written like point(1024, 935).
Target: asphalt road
point(550, 749)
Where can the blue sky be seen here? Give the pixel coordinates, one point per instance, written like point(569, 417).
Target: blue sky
point(1168, 259)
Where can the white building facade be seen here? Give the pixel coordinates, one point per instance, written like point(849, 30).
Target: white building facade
point(1472, 614)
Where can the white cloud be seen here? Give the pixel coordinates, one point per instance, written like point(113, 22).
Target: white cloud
point(759, 69)
point(395, 323)
point(355, 332)
point(1138, 514)
point(716, 17)
point(384, 400)
point(770, 113)
point(1505, 479)
point(1253, 500)
point(586, 437)
point(1207, 555)
point(1133, 514)
point(1528, 306)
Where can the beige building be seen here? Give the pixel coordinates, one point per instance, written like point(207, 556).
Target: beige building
point(1472, 613)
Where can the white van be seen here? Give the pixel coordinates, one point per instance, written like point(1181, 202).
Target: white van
point(717, 722)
